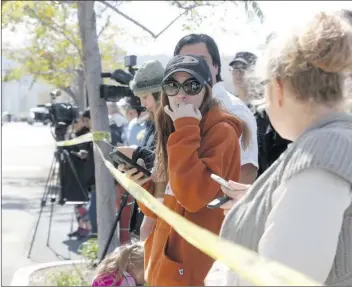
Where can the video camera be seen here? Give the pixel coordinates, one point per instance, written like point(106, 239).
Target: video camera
point(114, 93)
point(61, 114)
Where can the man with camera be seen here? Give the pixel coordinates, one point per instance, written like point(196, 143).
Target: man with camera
point(85, 215)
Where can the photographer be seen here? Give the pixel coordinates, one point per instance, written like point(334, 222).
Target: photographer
point(85, 215)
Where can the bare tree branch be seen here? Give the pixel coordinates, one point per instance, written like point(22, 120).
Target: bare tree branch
point(128, 18)
point(35, 78)
point(69, 91)
point(173, 21)
point(186, 10)
point(105, 26)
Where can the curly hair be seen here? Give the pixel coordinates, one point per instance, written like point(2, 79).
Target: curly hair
point(313, 63)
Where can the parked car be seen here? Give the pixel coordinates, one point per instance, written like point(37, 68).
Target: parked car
point(39, 114)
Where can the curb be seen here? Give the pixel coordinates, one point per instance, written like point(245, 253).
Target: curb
point(22, 276)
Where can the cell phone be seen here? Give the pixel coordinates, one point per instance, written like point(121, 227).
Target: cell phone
point(217, 202)
point(120, 158)
point(220, 180)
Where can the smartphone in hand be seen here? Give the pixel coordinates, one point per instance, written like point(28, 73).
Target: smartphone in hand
point(120, 158)
point(217, 202)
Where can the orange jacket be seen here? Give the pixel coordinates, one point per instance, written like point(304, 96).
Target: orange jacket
point(195, 151)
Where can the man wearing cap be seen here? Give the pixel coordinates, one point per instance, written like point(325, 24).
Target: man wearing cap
point(135, 124)
point(205, 46)
point(241, 65)
point(270, 144)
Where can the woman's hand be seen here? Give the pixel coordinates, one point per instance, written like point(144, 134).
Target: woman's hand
point(133, 174)
point(236, 192)
point(183, 110)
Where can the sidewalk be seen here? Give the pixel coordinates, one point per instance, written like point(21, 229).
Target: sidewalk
point(27, 152)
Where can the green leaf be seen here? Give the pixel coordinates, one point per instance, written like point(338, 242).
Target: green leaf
point(54, 49)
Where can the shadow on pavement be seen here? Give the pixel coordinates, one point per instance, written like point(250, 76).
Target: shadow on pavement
point(58, 255)
point(73, 245)
point(25, 204)
point(18, 202)
point(24, 182)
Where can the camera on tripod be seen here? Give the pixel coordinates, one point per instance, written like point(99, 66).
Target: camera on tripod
point(112, 93)
point(61, 114)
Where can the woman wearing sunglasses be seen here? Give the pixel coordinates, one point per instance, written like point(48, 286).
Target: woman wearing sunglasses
point(196, 138)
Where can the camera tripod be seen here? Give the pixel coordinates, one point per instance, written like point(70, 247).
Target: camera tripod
point(51, 191)
point(123, 204)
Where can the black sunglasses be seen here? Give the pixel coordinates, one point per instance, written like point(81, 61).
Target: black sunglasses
point(191, 87)
point(238, 66)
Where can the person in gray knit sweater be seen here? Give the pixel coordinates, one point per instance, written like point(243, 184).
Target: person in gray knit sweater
point(299, 212)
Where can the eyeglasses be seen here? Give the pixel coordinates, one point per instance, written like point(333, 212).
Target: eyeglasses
point(241, 67)
point(191, 87)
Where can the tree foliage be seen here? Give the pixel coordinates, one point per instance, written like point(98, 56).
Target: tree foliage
point(53, 52)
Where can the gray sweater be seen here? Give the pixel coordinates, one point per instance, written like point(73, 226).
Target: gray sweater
point(326, 145)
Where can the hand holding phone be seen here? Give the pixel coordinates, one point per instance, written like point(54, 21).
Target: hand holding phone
point(217, 202)
point(122, 159)
point(233, 191)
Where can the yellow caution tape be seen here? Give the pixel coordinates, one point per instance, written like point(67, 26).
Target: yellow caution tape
point(246, 263)
point(93, 136)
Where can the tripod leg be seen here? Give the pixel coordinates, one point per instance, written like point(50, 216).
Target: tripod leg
point(50, 220)
point(52, 200)
point(42, 204)
point(35, 231)
point(124, 199)
point(50, 177)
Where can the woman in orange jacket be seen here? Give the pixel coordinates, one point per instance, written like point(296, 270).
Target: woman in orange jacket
point(195, 138)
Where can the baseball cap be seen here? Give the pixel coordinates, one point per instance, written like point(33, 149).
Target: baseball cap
point(194, 65)
point(247, 58)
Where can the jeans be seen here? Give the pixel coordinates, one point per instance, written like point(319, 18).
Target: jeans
point(92, 211)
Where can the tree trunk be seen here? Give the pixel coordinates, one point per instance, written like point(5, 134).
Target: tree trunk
point(80, 83)
point(105, 188)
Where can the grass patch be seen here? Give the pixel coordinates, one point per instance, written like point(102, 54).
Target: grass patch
point(89, 251)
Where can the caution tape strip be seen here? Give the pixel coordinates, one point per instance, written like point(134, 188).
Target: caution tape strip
point(93, 136)
point(248, 264)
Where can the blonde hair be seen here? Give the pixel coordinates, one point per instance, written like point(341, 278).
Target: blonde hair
point(312, 63)
point(119, 261)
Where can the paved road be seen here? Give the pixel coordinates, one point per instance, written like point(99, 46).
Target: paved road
point(27, 153)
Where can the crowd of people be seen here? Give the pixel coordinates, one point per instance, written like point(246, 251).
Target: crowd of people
point(287, 160)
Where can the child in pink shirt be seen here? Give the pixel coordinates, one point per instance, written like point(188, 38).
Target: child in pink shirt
point(124, 267)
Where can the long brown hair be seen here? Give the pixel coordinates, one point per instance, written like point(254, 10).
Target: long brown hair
point(164, 128)
point(150, 115)
point(117, 263)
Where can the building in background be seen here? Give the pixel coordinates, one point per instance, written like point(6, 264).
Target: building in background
point(16, 96)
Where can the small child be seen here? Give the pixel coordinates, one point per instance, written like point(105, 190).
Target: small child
point(123, 267)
